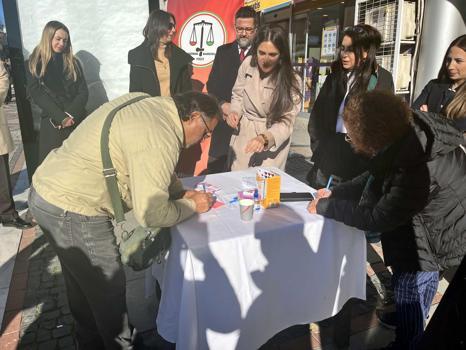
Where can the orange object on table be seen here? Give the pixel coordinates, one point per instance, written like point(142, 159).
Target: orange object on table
point(268, 184)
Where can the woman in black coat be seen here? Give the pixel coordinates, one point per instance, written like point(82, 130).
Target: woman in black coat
point(356, 70)
point(56, 84)
point(447, 94)
point(438, 93)
point(159, 67)
point(414, 193)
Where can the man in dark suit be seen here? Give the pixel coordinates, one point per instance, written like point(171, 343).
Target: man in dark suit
point(222, 77)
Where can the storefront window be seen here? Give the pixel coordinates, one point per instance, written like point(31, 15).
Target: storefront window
point(299, 30)
point(321, 28)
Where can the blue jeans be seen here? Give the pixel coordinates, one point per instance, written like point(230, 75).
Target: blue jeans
point(414, 292)
point(94, 276)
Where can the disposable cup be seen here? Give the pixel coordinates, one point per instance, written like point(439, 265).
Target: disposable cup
point(246, 209)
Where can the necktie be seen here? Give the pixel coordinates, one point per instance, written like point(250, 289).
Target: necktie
point(242, 55)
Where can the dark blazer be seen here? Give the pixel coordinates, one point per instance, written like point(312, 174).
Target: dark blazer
point(222, 77)
point(220, 84)
point(414, 194)
point(143, 75)
point(331, 153)
point(55, 94)
point(436, 95)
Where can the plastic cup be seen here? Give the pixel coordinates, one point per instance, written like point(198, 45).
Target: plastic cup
point(246, 209)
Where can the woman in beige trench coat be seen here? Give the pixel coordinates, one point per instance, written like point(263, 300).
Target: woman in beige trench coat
point(265, 101)
point(8, 215)
point(6, 142)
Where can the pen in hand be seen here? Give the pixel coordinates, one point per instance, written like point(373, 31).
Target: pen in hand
point(329, 183)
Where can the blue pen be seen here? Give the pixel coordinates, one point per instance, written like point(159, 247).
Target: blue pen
point(203, 187)
point(330, 179)
point(257, 203)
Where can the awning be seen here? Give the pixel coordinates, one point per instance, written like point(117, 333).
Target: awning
point(267, 5)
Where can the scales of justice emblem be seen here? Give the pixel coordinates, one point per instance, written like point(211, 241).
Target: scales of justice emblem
point(200, 36)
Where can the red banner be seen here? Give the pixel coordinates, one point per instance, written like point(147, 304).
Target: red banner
point(202, 26)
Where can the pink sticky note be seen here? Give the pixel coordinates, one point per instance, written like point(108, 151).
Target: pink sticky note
point(217, 204)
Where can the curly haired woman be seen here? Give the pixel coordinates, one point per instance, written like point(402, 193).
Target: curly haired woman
point(414, 194)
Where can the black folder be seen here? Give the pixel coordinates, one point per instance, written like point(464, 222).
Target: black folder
point(296, 197)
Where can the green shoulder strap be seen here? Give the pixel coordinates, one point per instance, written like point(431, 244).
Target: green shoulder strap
point(109, 171)
point(372, 82)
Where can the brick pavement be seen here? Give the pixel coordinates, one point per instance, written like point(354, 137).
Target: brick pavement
point(37, 315)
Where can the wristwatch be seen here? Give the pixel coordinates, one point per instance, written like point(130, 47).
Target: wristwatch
point(266, 140)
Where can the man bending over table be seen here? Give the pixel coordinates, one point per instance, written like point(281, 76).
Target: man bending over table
point(70, 201)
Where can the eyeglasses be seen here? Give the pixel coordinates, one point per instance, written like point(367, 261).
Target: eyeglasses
point(247, 30)
point(355, 29)
point(208, 131)
point(171, 26)
point(347, 138)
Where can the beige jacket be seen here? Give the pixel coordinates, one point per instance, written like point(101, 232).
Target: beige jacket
point(251, 99)
point(6, 142)
point(145, 141)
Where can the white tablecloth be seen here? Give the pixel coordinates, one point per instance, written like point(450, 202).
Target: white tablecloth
point(228, 284)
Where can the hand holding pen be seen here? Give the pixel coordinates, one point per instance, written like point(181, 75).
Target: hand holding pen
point(322, 193)
point(202, 199)
point(325, 192)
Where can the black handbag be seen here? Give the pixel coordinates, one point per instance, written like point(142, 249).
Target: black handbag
point(140, 247)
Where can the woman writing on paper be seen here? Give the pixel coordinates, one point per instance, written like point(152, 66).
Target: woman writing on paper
point(265, 101)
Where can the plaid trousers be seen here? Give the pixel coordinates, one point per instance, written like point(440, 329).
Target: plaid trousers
point(414, 292)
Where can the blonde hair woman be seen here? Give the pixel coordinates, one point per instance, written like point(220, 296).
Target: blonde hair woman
point(56, 84)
